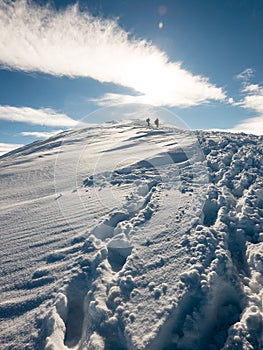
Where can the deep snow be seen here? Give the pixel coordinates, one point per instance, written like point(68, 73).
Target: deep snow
point(121, 237)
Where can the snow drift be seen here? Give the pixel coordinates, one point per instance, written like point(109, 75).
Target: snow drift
point(147, 239)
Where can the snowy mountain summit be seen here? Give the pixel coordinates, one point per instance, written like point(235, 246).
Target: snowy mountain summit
point(123, 237)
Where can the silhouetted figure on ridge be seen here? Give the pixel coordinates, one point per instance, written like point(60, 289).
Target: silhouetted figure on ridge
point(156, 122)
point(148, 121)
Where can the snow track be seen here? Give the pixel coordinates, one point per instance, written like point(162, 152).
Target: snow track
point(148, 239)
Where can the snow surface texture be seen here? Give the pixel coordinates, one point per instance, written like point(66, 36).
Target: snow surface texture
point(144, 241)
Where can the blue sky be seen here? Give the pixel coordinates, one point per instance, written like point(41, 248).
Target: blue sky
point(60, 62)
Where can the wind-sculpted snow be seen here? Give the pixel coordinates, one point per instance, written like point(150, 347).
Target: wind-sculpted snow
point(147, 239)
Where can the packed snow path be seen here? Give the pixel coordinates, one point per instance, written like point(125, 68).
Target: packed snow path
point(147, 239)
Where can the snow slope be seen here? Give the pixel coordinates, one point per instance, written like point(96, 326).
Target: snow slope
point(121, 237)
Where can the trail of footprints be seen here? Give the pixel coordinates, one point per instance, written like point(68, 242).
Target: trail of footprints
point(103, 251)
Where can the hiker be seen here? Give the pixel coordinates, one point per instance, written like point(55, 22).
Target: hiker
point(156, 122)
point(148, 120)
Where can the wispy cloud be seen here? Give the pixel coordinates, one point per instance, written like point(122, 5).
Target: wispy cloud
point(7, 147)
point(40, 134)
point(76, 44)
point(251, 88)
point(250, 126)
point(44, 116)
point(113, 98)
point(253, 100)
point(246, 74)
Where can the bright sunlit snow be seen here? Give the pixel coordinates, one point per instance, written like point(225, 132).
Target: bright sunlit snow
point(119, 236)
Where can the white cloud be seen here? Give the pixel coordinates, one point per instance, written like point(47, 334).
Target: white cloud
point(254, 98)
point(251, 88)
point(76, 44)
point(250, 126)
point(43, 116)
point(112, 98)
point(246, 74)
point(7, 147)
point(40, 134)
point(252, 101)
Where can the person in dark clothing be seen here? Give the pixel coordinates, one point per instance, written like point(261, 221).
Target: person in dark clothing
point(148, 120)
point(156, 122)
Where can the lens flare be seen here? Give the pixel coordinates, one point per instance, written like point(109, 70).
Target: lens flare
point(162, 10)
point(160, 25)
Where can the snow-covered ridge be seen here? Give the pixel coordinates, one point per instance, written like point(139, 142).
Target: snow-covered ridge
point(147, 239)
